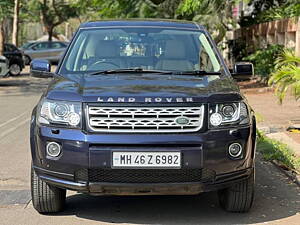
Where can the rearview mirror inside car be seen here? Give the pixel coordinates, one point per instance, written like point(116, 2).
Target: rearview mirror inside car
point(243, 71)
point(40, 68)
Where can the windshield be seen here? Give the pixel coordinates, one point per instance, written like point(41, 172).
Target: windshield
point(146, 48)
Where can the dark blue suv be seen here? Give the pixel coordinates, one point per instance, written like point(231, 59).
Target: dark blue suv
point(142, 107)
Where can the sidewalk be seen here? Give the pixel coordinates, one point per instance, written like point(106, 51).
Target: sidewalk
point(274, 118)
point(266, 105)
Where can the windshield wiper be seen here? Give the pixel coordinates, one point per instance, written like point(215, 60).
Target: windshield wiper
point(130, 70)
point(141, 70)
point(195, 72)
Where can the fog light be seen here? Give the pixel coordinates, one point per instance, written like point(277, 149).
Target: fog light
point(235, 150)
point(53, 149)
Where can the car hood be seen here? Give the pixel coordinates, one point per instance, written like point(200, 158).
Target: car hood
point(143, 88)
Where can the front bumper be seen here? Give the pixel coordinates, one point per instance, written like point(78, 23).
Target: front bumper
point(83, 151)
point(189, 188)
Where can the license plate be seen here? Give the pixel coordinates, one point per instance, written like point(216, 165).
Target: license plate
point(146, 159)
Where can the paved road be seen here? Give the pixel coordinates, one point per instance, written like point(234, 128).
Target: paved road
point(277, 200)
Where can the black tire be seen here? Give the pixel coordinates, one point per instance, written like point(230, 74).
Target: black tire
point(239, 197)
point(15, 69)
point(46, 198)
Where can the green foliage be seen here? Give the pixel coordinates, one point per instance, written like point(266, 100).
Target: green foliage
point(286, 11)
point(275, 150)
point(191, 6)
point(6, 8)
point(216, 15)
point(53, 12)
point(115, 9)
point(286, 75)
point(238, 49)
point(120, 8)
point(263, 60)
point(265, 11)
point(135, 8)
point(263, 5)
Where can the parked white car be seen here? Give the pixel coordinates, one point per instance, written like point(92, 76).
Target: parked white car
point(4, 66)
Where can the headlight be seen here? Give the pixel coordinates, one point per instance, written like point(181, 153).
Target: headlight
point(60, 113)
point(228, 114)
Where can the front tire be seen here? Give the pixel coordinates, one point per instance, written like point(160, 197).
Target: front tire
point(46, 198)
point(239, 197)
point(15, 69)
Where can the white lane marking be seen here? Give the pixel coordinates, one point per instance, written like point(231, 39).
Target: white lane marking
point(13, 119)
point(13, 128)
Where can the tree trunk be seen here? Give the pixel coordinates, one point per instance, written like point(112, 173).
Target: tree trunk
point(16, 23)
point(50, 32)
point(67, 29)
point(1, 38)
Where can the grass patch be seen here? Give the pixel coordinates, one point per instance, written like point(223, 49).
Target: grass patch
point(276, 150)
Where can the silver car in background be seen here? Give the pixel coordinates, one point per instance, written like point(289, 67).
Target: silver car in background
point(51, 51)
point(4, 66)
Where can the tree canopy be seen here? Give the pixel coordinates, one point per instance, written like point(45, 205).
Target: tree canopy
point(53, 12)
point(6, 7)
point(216, 15)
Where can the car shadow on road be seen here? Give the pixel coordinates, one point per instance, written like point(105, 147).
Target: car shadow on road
point(276, 198)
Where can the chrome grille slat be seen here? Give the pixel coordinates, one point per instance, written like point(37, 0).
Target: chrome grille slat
point(144, 119)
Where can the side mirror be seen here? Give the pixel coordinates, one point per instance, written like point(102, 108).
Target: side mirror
point(40, 68)
point(243, 70)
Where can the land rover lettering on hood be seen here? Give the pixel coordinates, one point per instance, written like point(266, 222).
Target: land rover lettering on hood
point(141, 107)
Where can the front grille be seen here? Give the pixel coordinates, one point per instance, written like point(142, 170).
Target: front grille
point(145, 119)
point(145, 175)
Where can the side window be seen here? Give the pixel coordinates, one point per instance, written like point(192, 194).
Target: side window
point(56, 45)
point(40, 46)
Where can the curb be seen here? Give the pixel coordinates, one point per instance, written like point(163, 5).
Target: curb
point(292, 175)
point(270, 130)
